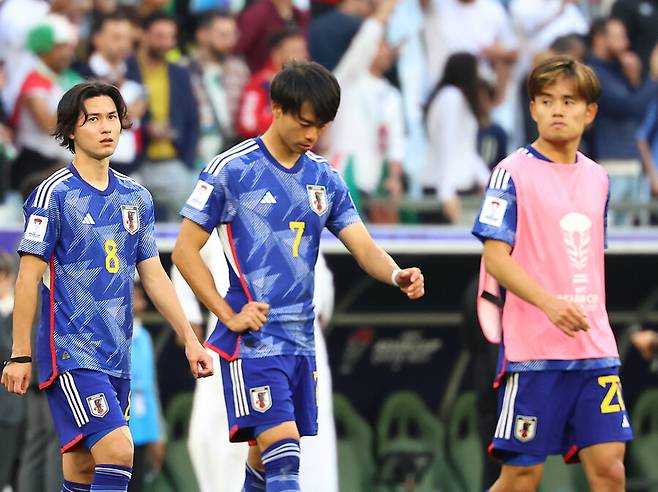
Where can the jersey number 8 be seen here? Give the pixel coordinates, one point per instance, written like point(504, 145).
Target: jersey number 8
point(111, 258)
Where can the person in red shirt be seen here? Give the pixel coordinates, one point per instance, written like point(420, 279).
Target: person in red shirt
point(255, 114)
point(259, 22)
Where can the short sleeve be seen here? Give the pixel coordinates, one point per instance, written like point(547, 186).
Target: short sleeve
point(343, 212)
point(497, 216)
point(649, 128)
point(212, 202)
point(147, 247)
point(42, 225)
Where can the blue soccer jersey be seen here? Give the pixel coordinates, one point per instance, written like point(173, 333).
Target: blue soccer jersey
point(91, 240)
point(269, 220)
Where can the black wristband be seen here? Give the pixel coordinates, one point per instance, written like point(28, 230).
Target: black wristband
point(23, 359)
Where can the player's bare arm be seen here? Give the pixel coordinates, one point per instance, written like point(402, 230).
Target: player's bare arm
point(378, 263)
point(187, 258)
point(566, 315)
point(16, 375)
point(160, 290)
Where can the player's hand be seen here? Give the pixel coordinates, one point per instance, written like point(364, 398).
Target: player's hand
point(199, 360)
point(568, 316)
point(16, 377)
point(646, 342)
point(252, 317)
point(411, 282)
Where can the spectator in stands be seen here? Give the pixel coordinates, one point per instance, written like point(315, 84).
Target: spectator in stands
point(12, 407)
point(479, 27)
point(330, 34)
point(7, 149)
point(625, 97)
point(34, 115)
point(17, 18)
point(646, 342)
point(640, 17)
point(492, 138)
point(171, 125)
point(540, 22)
point(453, 166)
point(145, 412)
point(112, 42)
point(255, 114)
point(218, 79)
point(259, 22)
point(367, 139)
point(647, 141)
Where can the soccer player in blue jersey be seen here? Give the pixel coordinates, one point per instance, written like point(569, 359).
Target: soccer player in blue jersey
point(87, 228)
point(270, 198)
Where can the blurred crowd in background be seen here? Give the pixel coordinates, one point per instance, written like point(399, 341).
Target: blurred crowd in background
point(433, 96)
point(433, 91)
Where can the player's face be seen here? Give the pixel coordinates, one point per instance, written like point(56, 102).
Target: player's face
point(299, 132)
point(98, 136)
point(560, 113)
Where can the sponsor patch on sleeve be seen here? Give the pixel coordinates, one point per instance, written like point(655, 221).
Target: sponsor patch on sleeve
point(493, 211)
point(36, 228)
point(200, 195)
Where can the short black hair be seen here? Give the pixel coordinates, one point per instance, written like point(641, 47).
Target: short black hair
point(282, 35)
point(205, 19)
point(73, 103)
point(301, 82)
point(99, 22)
point(158, 16)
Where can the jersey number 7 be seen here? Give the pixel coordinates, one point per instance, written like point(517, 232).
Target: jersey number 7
point(299, 227)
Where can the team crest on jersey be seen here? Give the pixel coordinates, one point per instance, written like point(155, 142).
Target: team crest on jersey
point(130, 218)
point(98, 405)
point(317, 198)
point(525, 428)
point(261, 398)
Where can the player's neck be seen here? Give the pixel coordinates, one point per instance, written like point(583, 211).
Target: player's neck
point(93, 171)
point(560, 153)
point(279, 150)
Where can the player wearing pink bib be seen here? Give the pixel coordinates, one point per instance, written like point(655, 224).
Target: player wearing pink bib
point(543, 224)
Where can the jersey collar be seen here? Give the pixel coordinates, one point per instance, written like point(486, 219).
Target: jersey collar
point(270, 157)
point(111, 183)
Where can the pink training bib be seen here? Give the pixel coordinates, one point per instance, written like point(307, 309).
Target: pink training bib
point(560, 243)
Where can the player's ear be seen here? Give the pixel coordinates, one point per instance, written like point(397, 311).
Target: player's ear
point(590, 114)
point(532, 110)
point(277, 110)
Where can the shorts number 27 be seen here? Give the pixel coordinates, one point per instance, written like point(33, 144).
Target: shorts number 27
point(614, 390)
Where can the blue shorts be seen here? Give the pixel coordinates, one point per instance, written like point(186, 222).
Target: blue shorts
point(541, 413)
point(86, 405)
point(264, 392)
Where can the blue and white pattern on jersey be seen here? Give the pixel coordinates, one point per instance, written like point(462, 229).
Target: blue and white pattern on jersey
point(497, 217)
point(92, 241)
point(269, 220)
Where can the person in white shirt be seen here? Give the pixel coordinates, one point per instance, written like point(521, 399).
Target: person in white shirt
point(453, 164)
point(369, 127)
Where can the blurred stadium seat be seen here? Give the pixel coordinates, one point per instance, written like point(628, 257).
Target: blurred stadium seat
point(354, 444)
point(464, 446)
point(177, 468)
point(643, 450)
